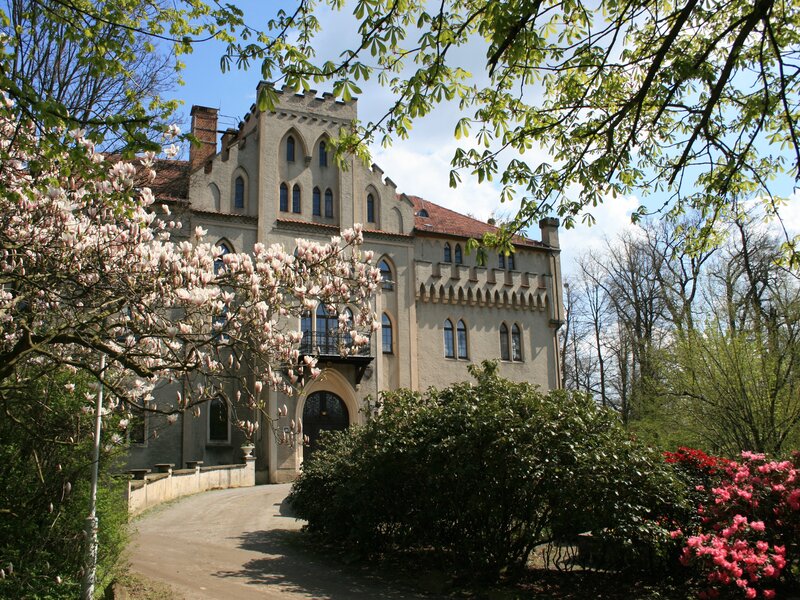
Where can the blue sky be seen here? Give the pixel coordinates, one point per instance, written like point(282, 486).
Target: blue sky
point(419, 165)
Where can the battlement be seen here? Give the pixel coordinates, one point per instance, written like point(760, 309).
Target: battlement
point(312, 104)
point(482, 286)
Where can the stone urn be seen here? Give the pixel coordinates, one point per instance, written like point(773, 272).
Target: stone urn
point(247, 449)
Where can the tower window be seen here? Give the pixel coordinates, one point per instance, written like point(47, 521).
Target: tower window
point(370, 208)
point(386, 275)
point(449, 342)
point(386, 333)
point(290, 149)
point(504, 353)
point(296, 199)
point(238, 193)
point(284, 197)
point(323, 155)
point(462, 340)
point(516, 343)
point(316, 202)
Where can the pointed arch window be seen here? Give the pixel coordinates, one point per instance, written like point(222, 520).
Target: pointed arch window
point(328, 204)
point(449, 341)
point(511, 264)
point(284, 198)
point(316, 202)
point(218, 421)
point(448, 253)
point(296, 199)
point(459, 255)
point(370, 208)
point(238, 192)
point(504, 353)
point(323, 154)
point(501, 260)
point(462, 340)
point(290, 148)
point(219, 263)
point(386, 275)
point(516, 343)
point(386, 334)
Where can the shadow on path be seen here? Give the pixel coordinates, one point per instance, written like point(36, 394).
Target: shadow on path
point(289, 563)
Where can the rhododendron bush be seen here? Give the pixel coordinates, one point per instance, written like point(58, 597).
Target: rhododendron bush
point(746, 540)
point(91, 265)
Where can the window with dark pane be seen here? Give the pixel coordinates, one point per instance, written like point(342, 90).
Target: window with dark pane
point(296, 199)
point(448, 253)
point(449, 341)
point(328, 204)
point(323, 154)
point(284, 198)
point(386, 275)
point(386, 333)
point(516, 343)
point(462, 340)
point(370, 208)
point(459, 255)
point(504, 353)
point(290, 149)
point(238, 194)
point(218, 420)
point(316, 202)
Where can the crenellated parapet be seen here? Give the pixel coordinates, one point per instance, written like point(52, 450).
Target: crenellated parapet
point(480, 286)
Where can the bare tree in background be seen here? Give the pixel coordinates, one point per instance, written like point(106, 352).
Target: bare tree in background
point(52, 65)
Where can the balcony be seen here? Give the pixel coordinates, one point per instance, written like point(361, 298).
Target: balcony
point(327, 347)
point(330, 345)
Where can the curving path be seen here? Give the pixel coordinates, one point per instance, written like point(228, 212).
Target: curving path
point(244, 543)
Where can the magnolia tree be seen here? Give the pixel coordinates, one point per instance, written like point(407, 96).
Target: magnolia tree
point(90, 267)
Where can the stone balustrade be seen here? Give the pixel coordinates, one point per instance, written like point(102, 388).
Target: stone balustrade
point(147, 490)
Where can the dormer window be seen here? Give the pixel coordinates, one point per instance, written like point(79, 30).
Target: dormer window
point(290, 149)
point(323, 155)
point(423, 213)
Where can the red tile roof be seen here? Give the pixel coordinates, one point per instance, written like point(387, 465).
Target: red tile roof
point(443, 221)
point(172, 179)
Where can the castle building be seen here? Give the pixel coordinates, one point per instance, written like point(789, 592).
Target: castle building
point(273, 180)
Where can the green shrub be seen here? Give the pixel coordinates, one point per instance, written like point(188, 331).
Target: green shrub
point(45, 460)
point(481, 474)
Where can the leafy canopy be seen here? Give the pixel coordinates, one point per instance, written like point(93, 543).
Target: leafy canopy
point(694, 101)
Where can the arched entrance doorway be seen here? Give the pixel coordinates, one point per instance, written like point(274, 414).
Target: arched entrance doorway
point(323, 411)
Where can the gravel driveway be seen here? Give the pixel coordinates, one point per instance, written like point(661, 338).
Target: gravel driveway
point(244, 543)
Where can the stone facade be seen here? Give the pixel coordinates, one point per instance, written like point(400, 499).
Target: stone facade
point(271, 182)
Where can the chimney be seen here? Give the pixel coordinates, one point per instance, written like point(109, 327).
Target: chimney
point(549, 228)
point(204, 128)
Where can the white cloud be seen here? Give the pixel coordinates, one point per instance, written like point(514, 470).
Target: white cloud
point(613, 217)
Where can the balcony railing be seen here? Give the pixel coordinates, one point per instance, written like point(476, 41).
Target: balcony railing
point(330, 344)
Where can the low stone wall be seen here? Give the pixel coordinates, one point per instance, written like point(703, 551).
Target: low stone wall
point(151, 489)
